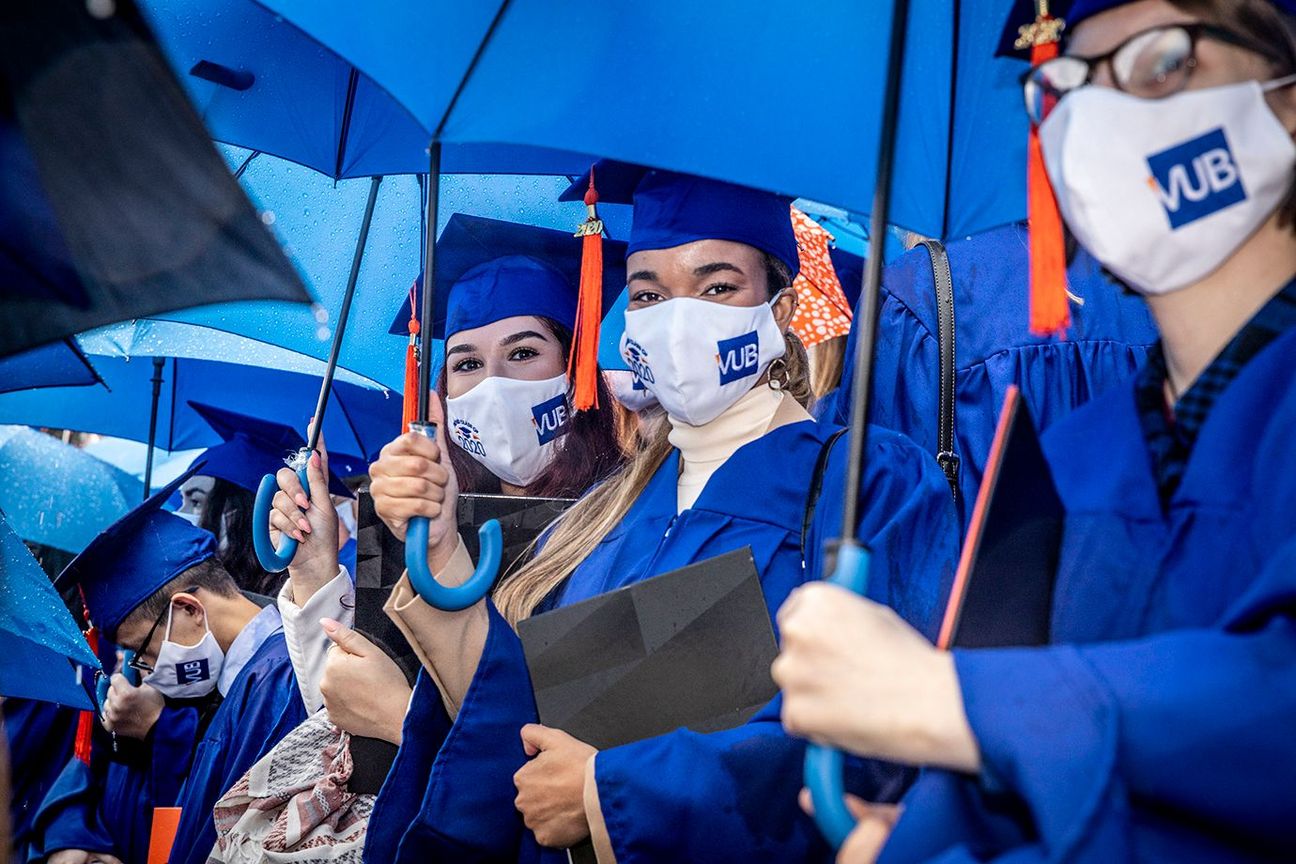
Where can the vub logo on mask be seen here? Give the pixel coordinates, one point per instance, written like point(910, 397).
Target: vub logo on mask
point(550, 418)
point(467, 437)
point(738, 357)
point(191, 671)
point(1196, 178)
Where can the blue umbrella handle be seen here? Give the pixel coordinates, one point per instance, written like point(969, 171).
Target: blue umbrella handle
point(105, 681)
point(271, 559)
point(823, 765)
point(465, 595)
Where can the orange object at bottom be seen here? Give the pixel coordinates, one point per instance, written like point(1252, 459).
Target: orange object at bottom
point(166, 820)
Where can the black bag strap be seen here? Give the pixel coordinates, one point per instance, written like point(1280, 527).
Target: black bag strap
point(945, 455)
point(816, 484)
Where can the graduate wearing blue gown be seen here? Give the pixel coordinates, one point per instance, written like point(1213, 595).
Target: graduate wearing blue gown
point(1108, 338)
point(150, 558)
point(682, 796)
point(40, 737)
point(1157, 725)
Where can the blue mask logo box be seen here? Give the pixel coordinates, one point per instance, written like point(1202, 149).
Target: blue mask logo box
point(550, 418)
point(738, 357)
point(191, 671)
point(1196, 178)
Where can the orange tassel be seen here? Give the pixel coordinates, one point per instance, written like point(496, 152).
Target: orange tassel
point(86, 720)
point(1050, 311)
point(582, 365)
point(409, 409)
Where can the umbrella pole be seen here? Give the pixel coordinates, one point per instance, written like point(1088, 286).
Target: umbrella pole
point(426, 313)
point(326, 387)
point(272, 559)
point(158, 363)
point(823, 765)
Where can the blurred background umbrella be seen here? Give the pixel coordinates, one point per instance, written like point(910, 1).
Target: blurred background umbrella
point(58, 495)
point(359, 422)
point(59, 364)
point(113, 202)
point(40, 644)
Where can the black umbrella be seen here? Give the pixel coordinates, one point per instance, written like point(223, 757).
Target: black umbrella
point(113, 202)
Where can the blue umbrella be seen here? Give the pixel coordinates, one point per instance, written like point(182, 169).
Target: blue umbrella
point(41, 650)
point(261, 83)
point(794, 112)
point(360, 420)
point(56, 494)
point(59, 364)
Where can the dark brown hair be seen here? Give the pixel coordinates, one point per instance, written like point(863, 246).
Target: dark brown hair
point(1263, 23)
point(589, 452)
point(209, 575)
point(238, 557)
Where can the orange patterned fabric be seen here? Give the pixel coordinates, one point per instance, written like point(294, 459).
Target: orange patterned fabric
point(823, 311)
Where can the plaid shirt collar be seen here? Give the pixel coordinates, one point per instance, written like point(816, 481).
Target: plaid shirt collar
point(1170, 437)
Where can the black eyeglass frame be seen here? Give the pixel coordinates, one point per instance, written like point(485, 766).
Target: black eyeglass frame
point(135, 662)
point(1195, 30)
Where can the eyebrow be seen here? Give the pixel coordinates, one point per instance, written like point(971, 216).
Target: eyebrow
point(520, 336)
point(645, 275)
point(461, 348)
point(718, 267)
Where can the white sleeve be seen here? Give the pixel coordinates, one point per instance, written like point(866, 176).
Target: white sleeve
point(307, 645)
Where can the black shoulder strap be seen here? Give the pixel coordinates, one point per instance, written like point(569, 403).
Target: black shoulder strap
point(816, 484)
point(945, 455)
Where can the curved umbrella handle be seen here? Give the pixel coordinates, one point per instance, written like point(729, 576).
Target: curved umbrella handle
point(271, 559)
point(478, 585)
point(105, 681)
point(823, 765)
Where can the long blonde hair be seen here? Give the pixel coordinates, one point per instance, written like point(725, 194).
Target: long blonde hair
point(582, 528)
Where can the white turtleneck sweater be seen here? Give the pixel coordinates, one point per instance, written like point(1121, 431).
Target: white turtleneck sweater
point(703, 449)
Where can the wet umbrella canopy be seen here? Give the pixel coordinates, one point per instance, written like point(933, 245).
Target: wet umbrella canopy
point(40, 645)
point(113, 202)
point(56, 494)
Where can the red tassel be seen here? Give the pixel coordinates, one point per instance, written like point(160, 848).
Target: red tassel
point(409, 409)
point(582, 365)
point(1050, 311)
point(86, 720)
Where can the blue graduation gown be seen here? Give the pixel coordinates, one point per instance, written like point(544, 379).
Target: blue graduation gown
point(681, 796)
point(1161, 727)
point(262, 706)
point(40, 737)
point(108, 807)
point(1109, 337)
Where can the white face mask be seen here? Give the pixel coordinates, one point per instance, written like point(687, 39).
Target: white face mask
point(698, 357)
point(511, 426)
point(186, 671)
point(629, 390)
point(1163, 191)
point(191, 518)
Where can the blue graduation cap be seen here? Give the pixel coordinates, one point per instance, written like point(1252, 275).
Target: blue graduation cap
point(672, 209)
point(489, 269)
point(253, 448)
point(131, 559)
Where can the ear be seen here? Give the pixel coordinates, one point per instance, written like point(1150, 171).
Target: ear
point(784, 308)
point(185, 603)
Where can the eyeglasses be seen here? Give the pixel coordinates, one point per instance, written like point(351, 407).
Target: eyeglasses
point(135, 662)
point(1153, 64)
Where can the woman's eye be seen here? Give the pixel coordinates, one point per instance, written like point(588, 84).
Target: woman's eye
point(719, 288)
point(468, 364)
point(523, 353)
point(645, 297)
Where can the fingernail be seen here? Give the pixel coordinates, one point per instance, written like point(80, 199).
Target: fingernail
point(303, 525)
point(297, 535)
point(315, 459)
point(330, 626)
point(303, 502)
